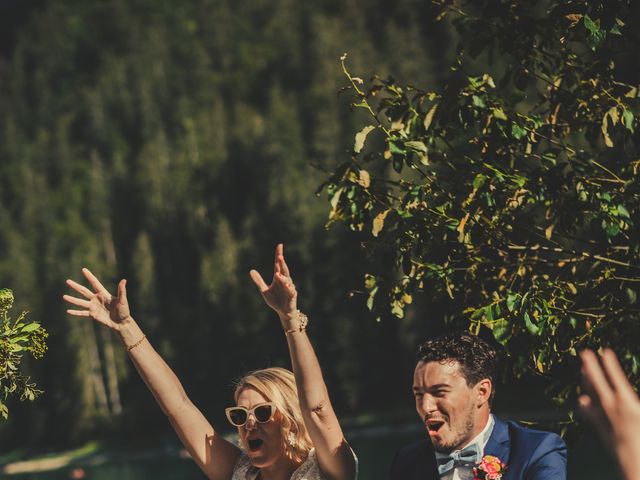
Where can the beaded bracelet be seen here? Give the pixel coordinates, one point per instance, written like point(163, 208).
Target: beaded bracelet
point(131, 347)
point(302, 323)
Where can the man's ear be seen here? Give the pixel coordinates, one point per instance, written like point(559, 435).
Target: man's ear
point(484, 388)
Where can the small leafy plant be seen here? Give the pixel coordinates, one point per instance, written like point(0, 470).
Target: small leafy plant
point(17, 337)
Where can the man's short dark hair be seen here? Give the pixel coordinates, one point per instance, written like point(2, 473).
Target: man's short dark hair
point(477, 359)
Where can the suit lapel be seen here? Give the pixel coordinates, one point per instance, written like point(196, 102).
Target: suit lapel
point(499, 444)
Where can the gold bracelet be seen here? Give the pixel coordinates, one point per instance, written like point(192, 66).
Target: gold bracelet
point(131, 347)
point(302, 323)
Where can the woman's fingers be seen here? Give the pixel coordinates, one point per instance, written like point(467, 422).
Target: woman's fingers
point(122, 292)
point(284, 269)
point(95, 283)
point(79, 313)
point(81, 289)
point(76, 301)
point(259, 281)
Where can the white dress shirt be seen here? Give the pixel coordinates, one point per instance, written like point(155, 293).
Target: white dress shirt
point(466, 473)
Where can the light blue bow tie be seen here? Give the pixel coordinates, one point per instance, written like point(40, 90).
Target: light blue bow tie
point(467, 457)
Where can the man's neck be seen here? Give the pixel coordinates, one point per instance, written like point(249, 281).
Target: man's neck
point(480, 427)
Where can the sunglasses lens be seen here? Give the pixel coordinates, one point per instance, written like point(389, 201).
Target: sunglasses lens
point(263, 413)
point(238, 417)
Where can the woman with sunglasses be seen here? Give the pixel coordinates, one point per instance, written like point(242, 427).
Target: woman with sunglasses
point(285, 421)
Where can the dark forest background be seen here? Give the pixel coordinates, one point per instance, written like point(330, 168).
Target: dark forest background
point(174, 144)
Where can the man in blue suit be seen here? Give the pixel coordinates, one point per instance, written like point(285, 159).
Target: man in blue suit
point(453, 388)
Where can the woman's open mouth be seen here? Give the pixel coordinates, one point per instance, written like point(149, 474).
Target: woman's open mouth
point(255, 444)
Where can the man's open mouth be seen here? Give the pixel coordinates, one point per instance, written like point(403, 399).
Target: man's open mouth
point(434, 425)
point(255, 443)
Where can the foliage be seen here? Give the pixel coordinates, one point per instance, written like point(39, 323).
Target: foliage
point(17, 337)
point(512, 194)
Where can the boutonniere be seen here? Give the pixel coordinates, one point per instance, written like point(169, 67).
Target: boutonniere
point(489, 468)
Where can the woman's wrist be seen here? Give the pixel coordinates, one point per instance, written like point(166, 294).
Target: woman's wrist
point(294, 321)
point(130, 333)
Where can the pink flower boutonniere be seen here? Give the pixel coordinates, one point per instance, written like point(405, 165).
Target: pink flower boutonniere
point(489, 468)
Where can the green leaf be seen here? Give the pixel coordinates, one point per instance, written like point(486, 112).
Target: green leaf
point(479, 180)
point(532, 327)
point(395, 146)
point(622, 211)
point(517, 131)
point(488, 313)
point(512, 300)
point(613, 229)
point(627, 119)
point(596, 35)
point(501, 331)
point(478, 101)
point(631, 295)
point(31, 327)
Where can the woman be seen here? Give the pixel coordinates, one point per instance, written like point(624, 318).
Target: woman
point(285, 421)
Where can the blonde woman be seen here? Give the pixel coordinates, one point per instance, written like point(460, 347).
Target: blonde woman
point(285, 421)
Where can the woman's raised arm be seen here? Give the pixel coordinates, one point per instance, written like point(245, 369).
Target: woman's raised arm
point(215, 455)
point(334, 455)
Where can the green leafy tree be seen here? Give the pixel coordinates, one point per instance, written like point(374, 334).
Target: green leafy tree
point(17, 337)
point(510, 196)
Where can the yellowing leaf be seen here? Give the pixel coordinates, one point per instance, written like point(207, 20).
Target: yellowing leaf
point(378, 223)
point(336, 198)
point(460, 228)
point(406, 298)
point(548, 232)
point(364, 179)
point(605, 126)
point(613, 115)
point(429, 117)
point(499, 113)
point(488, 80)
point(361, 136)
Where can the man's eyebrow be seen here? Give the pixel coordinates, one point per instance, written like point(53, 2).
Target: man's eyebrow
point(437, 386)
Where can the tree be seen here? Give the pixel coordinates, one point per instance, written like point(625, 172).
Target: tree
point(511, 195)
point(16, 337)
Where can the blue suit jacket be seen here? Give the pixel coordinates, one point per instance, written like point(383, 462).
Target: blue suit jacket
point(529, 455)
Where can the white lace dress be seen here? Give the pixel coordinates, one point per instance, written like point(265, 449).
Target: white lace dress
point(309, 470)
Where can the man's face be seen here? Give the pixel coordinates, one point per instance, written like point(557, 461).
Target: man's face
point(453, 412)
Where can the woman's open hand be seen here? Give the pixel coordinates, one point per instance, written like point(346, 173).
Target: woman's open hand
point(281, 295)
point(100, 305)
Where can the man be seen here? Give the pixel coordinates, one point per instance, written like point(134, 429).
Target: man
point(453, 388)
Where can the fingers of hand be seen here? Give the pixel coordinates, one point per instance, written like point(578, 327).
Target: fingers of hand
point(76, 301)
point(596, 379)
point(122, 292)
point(593, 413)
point(95, 283)
point(258, 280)
point(79, 313)
point(276, 262)
point(81, 289)
point(616, 375)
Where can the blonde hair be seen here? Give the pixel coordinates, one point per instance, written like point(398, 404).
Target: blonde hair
point(278, 385)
